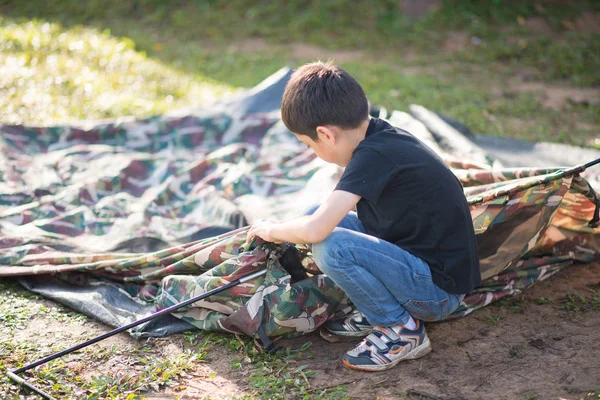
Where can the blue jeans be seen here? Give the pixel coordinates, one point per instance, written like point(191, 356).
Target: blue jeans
point(383, 281)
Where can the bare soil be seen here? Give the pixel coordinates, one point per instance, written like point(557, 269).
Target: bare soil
point(535, 350)
point(418, 8)
point(555, 96)
point(515, 349)
point(588, 23)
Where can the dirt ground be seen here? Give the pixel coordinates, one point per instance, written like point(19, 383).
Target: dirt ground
point(541, 345)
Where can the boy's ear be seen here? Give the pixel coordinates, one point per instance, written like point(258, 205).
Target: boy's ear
point(326, 133)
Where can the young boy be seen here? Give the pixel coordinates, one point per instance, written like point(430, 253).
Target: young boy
point(409, 252)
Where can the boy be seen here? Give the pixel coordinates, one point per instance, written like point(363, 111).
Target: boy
point(409, 253)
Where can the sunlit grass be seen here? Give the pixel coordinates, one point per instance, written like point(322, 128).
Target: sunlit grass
point(51, 74)
point(109, 58)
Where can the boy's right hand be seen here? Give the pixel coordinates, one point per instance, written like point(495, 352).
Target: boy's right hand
point(263, 230)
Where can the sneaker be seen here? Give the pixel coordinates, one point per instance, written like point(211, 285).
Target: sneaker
point(353, 324)
point(386, 347)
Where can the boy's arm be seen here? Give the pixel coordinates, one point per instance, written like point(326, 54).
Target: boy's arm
point(310, 228)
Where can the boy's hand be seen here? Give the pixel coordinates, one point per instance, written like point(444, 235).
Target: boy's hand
point(264, 231)
point(312, 228)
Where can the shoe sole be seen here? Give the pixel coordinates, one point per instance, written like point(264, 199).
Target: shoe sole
point(350, 333)
point(422, 350)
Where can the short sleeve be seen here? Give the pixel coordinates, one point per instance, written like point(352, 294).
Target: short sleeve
point(367, 174)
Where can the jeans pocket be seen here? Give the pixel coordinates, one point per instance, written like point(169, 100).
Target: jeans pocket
point(429, 310)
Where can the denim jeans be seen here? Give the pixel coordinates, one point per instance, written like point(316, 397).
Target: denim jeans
point(383, 281)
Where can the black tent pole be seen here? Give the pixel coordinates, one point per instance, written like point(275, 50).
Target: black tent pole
point(591, 163)
point(14, 374)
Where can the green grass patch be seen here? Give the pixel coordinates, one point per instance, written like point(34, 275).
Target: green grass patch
point(577, 302)
point(515, 304)
point(52, 74)
point(493, 319)
point(593, 395)
point(15, 306)
point(575, 57)
point(496, 25)
point(62, 378)
point(543, 300)
point(99, 59)
point(280, 375)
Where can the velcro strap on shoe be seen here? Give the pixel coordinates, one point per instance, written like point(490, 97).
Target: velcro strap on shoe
point(389, 333)
point(377, 342)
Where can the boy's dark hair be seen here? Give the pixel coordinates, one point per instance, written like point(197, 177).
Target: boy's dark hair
point(322, 94)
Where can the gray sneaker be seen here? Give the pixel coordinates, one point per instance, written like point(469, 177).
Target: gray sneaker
point(353, 324)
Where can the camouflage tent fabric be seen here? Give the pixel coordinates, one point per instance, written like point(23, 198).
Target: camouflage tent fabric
point(73, 197)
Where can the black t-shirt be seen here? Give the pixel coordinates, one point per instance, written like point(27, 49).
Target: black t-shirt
point(409, 197)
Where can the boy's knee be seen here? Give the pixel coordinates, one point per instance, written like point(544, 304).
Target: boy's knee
point(322, 257)
point(327, 252)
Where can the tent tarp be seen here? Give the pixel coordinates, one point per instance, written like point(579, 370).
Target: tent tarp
point(122, 217)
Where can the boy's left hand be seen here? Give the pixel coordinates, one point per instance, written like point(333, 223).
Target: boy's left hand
point(264, 231)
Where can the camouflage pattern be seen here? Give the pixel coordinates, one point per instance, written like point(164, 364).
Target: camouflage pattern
point(71, 198)
point(281, 307)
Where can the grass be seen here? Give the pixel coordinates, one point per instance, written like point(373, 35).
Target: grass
point(572, 302)
point(281, 375)
point(543, 300)
point(61, 379)
point(493, 319)
point(52, 74)
point(98, 59)
point(577, 302)
point(515, 304)
point(137, 369)
point(15, 306)
point(593, 395)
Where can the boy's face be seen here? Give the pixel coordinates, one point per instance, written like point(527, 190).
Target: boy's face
point(327, 147)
